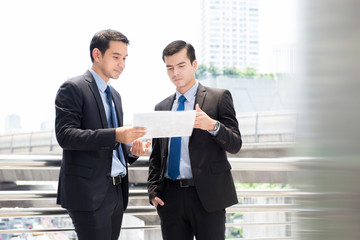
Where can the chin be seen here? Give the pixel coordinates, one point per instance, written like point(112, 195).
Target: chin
point(178, 83)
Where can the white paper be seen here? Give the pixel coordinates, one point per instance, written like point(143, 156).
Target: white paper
point(166, 123)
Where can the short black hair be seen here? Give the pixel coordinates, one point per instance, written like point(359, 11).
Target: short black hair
point(177, 46)
point(101, 40)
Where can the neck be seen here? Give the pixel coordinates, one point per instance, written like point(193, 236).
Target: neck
point(100, 73)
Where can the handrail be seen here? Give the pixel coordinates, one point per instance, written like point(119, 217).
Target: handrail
point(48, 230)
point(148, 227)
point(51, 194)
point(46, 161)
point(142, 210)
point(135, 210)
point(153, 227)
point(139, 196)
point(256, 127)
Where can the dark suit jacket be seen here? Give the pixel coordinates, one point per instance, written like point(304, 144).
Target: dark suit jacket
point(210, 167)
point(82, 131)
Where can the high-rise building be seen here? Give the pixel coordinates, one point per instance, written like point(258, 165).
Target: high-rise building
point(284, 58)
point(230, 33)
point(47, 125)
point(12, 123)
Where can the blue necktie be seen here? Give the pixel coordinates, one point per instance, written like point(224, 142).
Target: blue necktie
point(114, 124)
point(175, 148)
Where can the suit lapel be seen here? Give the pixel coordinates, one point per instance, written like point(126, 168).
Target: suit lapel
point(94, 89)
point(168, 103)
point(200, 96)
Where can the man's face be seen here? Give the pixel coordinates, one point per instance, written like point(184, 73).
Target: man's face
point(181, 72)
point(112, 62)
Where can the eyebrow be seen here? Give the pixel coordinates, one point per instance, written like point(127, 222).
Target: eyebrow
point(119, 54)
point(183, 62)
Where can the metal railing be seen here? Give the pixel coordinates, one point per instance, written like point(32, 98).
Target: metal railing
point(263, 128)
point(24, 170)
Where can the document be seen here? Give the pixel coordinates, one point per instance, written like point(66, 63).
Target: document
point(161, 124)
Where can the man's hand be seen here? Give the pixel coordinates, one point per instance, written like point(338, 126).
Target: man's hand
point(156, 201)
point(139, 148)
point(203, 121)
point(129, 134)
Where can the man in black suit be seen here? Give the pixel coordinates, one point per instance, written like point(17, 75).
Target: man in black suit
point(93, 183)
point(191, 201)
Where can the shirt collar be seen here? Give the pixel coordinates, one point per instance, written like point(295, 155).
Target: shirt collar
point(99, 81)
point(189, 94)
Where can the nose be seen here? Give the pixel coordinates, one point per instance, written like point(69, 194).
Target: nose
point(176, 71)
point(121, 63)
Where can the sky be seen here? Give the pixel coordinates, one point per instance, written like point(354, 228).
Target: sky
point(43, 43)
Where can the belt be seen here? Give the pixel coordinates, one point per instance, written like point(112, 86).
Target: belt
point(183, 183)
point(116, 180)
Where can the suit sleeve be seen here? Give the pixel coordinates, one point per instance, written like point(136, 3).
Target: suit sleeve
point(77, 126)
point(154, 178)
point(228, 137)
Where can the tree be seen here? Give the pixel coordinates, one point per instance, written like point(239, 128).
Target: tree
point(230, 71)
point(267, 76)
point(213, 70)
point(249, 72)
point(201, 71)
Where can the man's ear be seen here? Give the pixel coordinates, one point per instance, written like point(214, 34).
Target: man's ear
point(195, 64)
point(96, 53)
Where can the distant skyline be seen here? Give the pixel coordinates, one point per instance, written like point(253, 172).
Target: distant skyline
point(230, 34)
point(46, 42)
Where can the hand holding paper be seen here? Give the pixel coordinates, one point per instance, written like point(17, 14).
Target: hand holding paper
point(160, 124)
point(129, 134)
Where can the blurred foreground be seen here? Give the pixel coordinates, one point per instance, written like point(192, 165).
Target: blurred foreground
point(329, 120)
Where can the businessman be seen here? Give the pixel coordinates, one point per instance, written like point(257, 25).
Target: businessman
point(93, 183)
point(190, 182)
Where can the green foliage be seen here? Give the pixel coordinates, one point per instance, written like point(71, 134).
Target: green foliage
point(201, 71)
point(236, 232)
point(248, 72)
point(269, 76)
point(213, 70)
point(231, 71)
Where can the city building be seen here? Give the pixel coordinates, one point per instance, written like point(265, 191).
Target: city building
point(12, 123)
point(284, 58)
point(230, 33)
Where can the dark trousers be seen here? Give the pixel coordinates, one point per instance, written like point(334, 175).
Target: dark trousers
point(183, 216)
point(103, 223)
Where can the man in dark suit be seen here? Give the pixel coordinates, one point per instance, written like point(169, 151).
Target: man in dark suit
point(192, 200)
point(93, 183)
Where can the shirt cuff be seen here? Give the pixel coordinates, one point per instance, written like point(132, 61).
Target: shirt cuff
point(214, 133)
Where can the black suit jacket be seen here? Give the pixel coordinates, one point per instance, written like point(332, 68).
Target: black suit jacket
point(82, 131)
point(209, 164)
